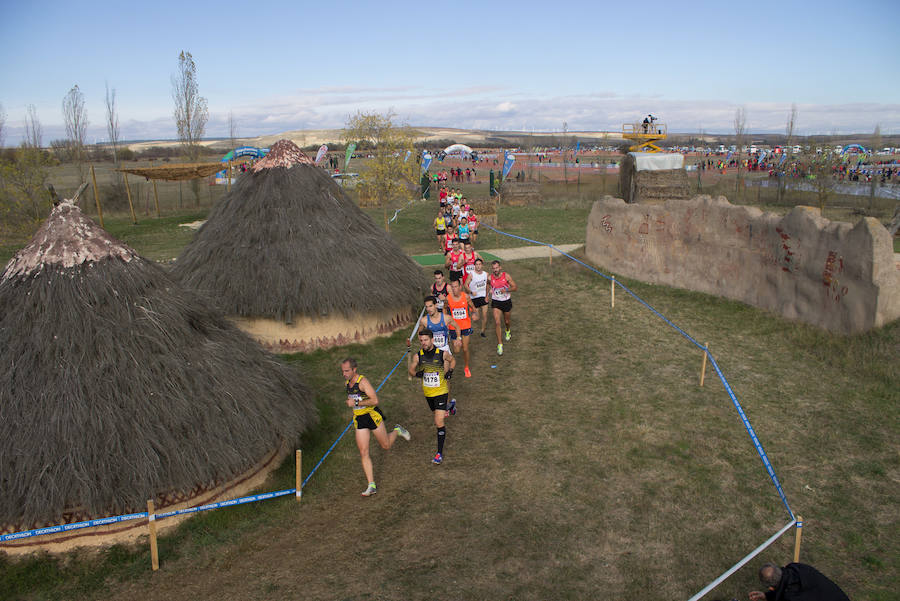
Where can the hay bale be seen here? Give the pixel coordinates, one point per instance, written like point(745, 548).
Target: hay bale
point(653, 177)
point(520, 194)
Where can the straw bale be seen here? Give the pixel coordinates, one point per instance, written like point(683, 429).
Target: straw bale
point(117, 385)
point(649, 186)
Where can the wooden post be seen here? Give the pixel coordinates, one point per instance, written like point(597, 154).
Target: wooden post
point(156, 198)
point(799, 532)
point(151, 522)
point(130, 204)
point(703, 366)
point(299, 475)
point(549, 248)
point(96, 196)
point(228, 177)
point(612, 293)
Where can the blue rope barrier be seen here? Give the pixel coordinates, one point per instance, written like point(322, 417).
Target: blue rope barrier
point(199, 508)
point(746, 421)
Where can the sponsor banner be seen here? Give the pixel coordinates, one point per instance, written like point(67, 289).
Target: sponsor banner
point(508, 163)
point(350, 148)
point(321, 154)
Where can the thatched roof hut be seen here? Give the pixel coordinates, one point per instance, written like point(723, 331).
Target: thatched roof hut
point(118, 386)
point(653, 177)
point(296, 263)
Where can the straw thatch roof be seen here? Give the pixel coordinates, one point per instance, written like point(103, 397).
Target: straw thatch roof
point(176, 171)
point(287, 242)
point(117, 385)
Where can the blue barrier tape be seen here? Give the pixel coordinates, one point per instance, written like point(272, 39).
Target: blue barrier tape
point(207, 507)
point(74, 526)
point(756, 443)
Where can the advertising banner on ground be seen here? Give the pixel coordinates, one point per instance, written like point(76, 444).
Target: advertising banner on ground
point(508, 163)
point(321, 154)
point(350, 148)
point(426, 160)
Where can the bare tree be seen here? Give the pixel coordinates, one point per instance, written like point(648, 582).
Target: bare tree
point(112, 123)
point(191, 111)
point(875, 143)
point(232, 130)
point(34, 134)
point(75, 117)
point(2, 124)
point(740, 129)
point(788, 148)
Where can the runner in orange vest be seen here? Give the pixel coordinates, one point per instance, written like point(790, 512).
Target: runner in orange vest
point(459, 306)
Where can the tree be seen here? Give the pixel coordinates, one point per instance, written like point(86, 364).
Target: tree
point(2, 124)
point(34, 134)
point(232, 131)
point(875, 143)
point(191, 112)
point(788, 148)
point(112, 123)
point(389, 174)
point(22, 179)
point(740, 129)
point(821, 170)
point(75, 117)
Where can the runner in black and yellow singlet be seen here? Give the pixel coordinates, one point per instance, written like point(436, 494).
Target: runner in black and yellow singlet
point(367, 417)
point(435, 367)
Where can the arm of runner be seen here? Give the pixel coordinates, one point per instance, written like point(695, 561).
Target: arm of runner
point(451, 323)
point(449, 362)
point(414, 365)
point(366, 388)
point(512, 284)
point(472, 310)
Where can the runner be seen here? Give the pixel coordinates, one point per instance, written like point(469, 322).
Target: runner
point(367, 416)
point(478, 288)
point(435, 367)
point(462, 231)
point(501, 301)
point(473, 225)
point(459, 306)
point(449, 238)
point(440, 325)
point(454, 261)
point(440, 229)
point(469, 257)
point(439, 289)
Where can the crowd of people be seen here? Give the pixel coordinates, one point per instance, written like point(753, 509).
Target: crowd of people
point(455, 307)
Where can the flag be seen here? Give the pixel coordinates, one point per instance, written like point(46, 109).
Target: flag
point(577, 146)
point(319, 155)
point(508, 163)
point(350, 148)
point(408, 152)
point(426, 160)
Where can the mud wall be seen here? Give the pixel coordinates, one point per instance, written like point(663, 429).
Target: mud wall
point(834, 275)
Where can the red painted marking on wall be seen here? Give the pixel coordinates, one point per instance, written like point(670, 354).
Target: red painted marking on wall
point(604, 221)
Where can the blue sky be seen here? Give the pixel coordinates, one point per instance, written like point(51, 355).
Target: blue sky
point(518, 65)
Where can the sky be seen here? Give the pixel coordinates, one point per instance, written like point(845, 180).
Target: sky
point(523, 65)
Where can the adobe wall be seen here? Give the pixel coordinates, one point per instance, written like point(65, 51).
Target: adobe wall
point(835, 275)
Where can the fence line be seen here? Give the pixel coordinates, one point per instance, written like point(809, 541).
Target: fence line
point(750, 431)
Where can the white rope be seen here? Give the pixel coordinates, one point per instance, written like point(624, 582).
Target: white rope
point(741, 563)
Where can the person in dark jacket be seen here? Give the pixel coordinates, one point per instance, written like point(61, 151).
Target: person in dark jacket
point(796, 582)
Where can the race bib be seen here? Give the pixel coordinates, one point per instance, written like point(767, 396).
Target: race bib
point(459, 313)
point(440, 340)
point(431, 379)
point(470, 269)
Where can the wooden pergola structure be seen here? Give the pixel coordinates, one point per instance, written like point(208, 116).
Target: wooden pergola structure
point(174, 172)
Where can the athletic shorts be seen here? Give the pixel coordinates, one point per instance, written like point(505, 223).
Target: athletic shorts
point(368, 420)
point(464, 332)
point(455, 275)
point(505, 306)
point(440, 232)
point(438, 402)
point(479, 301)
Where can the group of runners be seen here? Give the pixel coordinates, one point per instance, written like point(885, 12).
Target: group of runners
point(452, 307)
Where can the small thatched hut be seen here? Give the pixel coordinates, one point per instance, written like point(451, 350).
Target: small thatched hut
point(296, 263)
point(653, 177)
point(118, 386)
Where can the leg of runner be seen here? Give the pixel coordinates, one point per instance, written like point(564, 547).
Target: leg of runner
point(362, 443)
point(497, 317)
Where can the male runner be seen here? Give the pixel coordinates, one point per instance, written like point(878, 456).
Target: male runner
point(501, 284)
point(469, 257)
point(459, 306)
point(435, 367)
point(440, 229)
point(367, 416)
point(439, 289)
point(440, 325)
point(478, 289)
point(454, 261)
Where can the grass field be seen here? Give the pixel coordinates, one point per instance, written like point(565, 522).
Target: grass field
point(586, 462)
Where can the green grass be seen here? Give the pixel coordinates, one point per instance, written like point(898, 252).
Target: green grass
point(586, 459)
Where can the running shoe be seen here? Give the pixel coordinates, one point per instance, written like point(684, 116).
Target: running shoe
point(467, 372)
point(437, 460)
point(508, 334)
point(370, 490)
point(402, 432)
point(451, 408)
point(482, 335)
point(499, 349)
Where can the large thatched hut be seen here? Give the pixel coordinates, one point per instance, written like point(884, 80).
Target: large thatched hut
point(118, 386)
point(296, 263)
